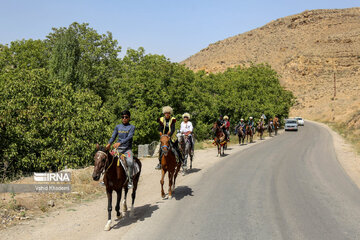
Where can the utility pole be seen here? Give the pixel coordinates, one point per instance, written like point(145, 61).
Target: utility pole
point(334, 86)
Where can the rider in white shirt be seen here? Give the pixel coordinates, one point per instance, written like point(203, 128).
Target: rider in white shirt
point(186, 128)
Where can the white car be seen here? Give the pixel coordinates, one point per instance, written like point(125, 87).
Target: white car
point(300, 121)
point(291, 124)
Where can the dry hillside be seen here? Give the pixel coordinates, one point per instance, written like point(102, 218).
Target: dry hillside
point(306, 50)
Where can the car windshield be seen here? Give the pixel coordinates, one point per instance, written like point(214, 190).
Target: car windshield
point(299, 119)
point(290, 121)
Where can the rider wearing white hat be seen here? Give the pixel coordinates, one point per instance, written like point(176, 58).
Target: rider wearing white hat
point(186, 128)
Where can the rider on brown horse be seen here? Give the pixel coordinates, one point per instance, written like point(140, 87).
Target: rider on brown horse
point(242, 125)
point(222, 124)
point(123, 145)
point(167, 127)
point(251, 124)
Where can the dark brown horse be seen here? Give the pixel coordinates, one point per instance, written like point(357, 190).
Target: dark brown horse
point(168, 164)
point(270, 127)
point(241, 134)
point(115, 179)
point(260, 130)
point(219, 139)
point(249, 133)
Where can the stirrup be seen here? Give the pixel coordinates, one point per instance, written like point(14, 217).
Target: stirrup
point(130, 185)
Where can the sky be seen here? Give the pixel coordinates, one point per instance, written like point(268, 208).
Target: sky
point(174, 28)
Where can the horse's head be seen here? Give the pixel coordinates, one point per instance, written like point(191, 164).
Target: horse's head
point(165, 144)
point(180, 137)
point(100, 159)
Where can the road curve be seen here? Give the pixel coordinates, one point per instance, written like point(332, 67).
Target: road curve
point(290, 187)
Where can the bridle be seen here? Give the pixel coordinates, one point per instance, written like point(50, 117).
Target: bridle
point(163, 147)
point(106, 161)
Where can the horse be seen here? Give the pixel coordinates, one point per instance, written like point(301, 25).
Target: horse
point(249, 132)
point(219, 139)
point(276, 125)
point(168, 164)
point(241, 134)
point(115, 179)
point(185, 146)
point(260, 129)
point(270, 128)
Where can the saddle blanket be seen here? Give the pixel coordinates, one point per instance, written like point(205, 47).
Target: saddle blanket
point(121, 159)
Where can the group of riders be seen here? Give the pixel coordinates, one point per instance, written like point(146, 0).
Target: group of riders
point(124, 132)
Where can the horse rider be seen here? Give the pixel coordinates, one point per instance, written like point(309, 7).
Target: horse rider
point(221, 124)
point(124, 133)
point(242, 125)
point(261, 122)
point(271, 123)
point(227, 127)
point(187, 128)
point(251, 124)
point(167, 126)
point(276, 120)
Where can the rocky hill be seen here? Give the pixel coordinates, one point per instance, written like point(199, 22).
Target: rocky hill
point(308, 50)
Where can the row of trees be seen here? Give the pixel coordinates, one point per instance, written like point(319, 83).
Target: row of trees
point(61, 95)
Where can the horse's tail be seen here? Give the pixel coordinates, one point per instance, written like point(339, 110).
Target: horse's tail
point(138, 162)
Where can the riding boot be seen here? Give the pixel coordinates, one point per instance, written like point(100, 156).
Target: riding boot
point(129, 173)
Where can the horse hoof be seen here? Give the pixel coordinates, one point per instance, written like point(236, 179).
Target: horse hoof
point(107, 226)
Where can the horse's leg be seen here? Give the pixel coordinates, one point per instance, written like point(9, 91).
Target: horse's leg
point(124, 204)
point(162, 183)
point(109, 196)
point(117, 207)
point(170, 175)
point(191, 158)
point(133, 195)
point(175, 175)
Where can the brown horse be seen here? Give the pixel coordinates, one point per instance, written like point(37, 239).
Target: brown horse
point(241, 134)
point(249, 133)
point(115, 179)
point(276, 125)
point(168, 164)
point(219, 139)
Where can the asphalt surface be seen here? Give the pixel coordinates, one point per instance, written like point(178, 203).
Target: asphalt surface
point(289, 187)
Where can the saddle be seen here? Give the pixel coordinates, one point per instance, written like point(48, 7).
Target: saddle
point(121, 160)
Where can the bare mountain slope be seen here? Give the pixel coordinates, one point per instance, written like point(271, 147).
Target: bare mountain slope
point(306, 50)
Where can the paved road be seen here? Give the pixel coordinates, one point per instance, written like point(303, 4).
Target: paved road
point(290, 187)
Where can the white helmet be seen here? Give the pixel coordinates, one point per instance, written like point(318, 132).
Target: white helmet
point(250, 118)
point(242, 119)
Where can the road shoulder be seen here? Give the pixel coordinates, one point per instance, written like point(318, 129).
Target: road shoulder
point(345, 154)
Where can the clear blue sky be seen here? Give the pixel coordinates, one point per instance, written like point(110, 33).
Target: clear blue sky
point(174, 28)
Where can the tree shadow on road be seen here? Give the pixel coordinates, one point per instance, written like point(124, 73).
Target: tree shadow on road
point(182, 191)
point(140, 214)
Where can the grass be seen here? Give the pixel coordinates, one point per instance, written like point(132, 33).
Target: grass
point(351, 135)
